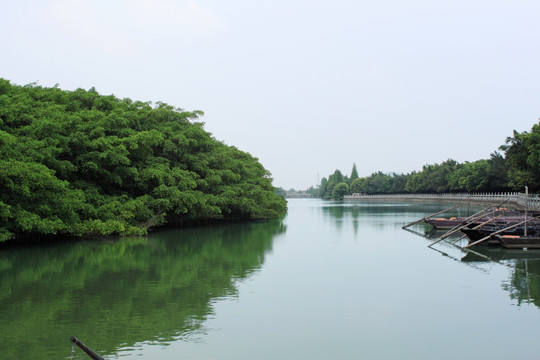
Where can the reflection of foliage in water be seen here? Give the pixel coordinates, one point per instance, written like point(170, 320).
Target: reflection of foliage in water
point(356, 209)
point(524, 284)
point(376, 214)
point(118, 293)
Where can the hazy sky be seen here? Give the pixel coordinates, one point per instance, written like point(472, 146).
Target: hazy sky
point(305, 86)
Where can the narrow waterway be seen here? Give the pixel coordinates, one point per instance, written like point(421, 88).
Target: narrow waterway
point(329, 281)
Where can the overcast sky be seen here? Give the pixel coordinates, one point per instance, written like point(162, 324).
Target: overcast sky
point(307, 87)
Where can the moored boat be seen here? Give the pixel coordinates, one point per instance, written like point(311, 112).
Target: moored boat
point(496, 221)
point(477, 234)
point(519, 242)
point(445, 224)
point(503, 216)
point(505, 234)
point(473, 234)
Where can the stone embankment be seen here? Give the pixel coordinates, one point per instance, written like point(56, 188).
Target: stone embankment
point(515, 199)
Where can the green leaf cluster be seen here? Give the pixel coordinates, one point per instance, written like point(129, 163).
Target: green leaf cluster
point(77, 163)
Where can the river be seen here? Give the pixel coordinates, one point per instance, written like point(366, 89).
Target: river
point(330, 280)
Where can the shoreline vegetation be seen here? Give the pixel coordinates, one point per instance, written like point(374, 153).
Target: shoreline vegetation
point(79, 164)
point(516, 166)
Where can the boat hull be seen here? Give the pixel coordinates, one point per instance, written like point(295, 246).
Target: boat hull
point(519, 242)
point(474, 235)
point(445, 224)
point(500, 221)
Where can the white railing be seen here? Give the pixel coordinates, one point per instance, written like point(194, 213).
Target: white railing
point(516, 198)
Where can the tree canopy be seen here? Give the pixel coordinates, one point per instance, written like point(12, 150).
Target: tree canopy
point(516, 167)
point(77, 163)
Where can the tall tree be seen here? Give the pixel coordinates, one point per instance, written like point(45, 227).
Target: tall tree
point(497, 175)
point(354, 174)
point(323, 187)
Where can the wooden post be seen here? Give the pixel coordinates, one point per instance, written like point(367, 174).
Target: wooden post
point(430, 216)
point(526, 207)
point(86, 349)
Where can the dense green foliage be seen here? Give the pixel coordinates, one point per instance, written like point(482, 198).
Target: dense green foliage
point(518, 167)
point(78, 163)
point(523, 158)
point(340, 190)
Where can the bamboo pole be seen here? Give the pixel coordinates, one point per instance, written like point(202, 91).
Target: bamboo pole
point(430, 216)
point(478, 227)
point(457, 228)
point(498, 232)
point(464, 223)
point(86, 349)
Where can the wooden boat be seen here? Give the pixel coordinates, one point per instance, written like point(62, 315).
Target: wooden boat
point(506, 234)
point(503, 216)
point(453, 222)
point(519, 242)
point(533, 228)
point(445, 224)
point(477, 234)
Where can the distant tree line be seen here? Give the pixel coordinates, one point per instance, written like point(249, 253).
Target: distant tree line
point(516, 166)
point(311, 192)
point(77, 163)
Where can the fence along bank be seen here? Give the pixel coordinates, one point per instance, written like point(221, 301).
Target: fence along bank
point(517, 199)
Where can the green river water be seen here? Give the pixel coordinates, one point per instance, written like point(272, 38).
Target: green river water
point(330, 280)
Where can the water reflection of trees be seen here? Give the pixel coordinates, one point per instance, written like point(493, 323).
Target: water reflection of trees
point(117, 293)
point(524, 282)
point(376, 214)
